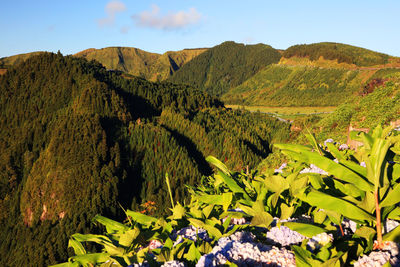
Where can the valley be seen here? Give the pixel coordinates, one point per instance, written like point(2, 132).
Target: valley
point(99, 132)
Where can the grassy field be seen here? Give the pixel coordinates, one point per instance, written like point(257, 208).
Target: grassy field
point(287, 112)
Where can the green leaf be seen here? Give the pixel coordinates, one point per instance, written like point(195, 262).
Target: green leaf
point(305, 229)
point(66, 264)
point(394, 214)
point(286, 211)
point(111, 225)
point(178, 211)
point(193, 253)
point(393, 235)
point(392, 198)
point(93, 258)
point(339, 171)
point(276, 183)
point(366, 232)
point(328, 202)
point(141, 218)
point(127, 238)
point(319, 216)
point(303, 257)
point(77, 246)
point(207, 210)
point(222, 167)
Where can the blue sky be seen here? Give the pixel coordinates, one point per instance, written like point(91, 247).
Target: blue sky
point(160, 26)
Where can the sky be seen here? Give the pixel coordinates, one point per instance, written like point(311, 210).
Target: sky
point(160, 25)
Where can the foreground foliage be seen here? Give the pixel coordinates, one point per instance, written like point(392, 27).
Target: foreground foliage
point(71, 130)
point(342, 188)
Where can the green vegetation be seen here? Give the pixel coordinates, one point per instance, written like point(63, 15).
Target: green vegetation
point(6, 62)
point(280, 85)
point(78, 140)
point(340, 52)
point(286, 112)
point(151, 66)
point(380, 106)
point(225, 66)
point(366, 195)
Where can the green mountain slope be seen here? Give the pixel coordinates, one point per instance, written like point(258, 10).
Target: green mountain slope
point(225, 66)
point(283, 85)
point(336, 51)
point(78, 140)
point(378, 103)
point(13, 60)
point(151, 66)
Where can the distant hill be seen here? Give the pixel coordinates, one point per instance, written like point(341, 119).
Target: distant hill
point(16, 59)
point(225, 66)
point(151, 66)
point(336, 51)
point(283, 85)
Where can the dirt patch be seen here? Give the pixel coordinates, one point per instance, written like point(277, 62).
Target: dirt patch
point(3, 71)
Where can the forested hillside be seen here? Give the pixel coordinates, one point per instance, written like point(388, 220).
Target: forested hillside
point(151, 66)
point(225, 66)
point(78, 140)
point(336, 51)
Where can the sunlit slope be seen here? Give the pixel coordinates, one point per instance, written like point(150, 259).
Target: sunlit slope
point(151, 66)
point(336, 51)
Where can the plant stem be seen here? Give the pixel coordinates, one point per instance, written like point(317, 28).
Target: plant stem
point(378, 221)
point(341, 229)
point(169, 190)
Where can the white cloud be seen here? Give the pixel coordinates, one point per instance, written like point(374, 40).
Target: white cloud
point(170, 21)
point(112, 8)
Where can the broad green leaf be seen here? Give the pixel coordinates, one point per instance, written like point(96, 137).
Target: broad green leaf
point(93, 258)
point(392, 198)
point(311, 138)
point(286, 211)
point(99, 239)
point(222, 167)
point(339, 171)
point(394, 214)
point(303, 257)
point(226, 200)
point(262, 219)
point(305, 229)
point(141, 218)
point(207, 210)
point(127, 238)
point(233, 186)
point(111, 225)
point(276, 183)
point(319, 216)
point(315, 180)
point(193, 253)
point(293, 147)
point(335, 152)
point(393, 235)
point(77, 246)
point(212, 231)
point(66, 264)
point(365, 232)
point(328, 202)
point(178, 212)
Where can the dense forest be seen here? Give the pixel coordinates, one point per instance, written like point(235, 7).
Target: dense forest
point(340, 52)
point(78, 140)
point(224, 66)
